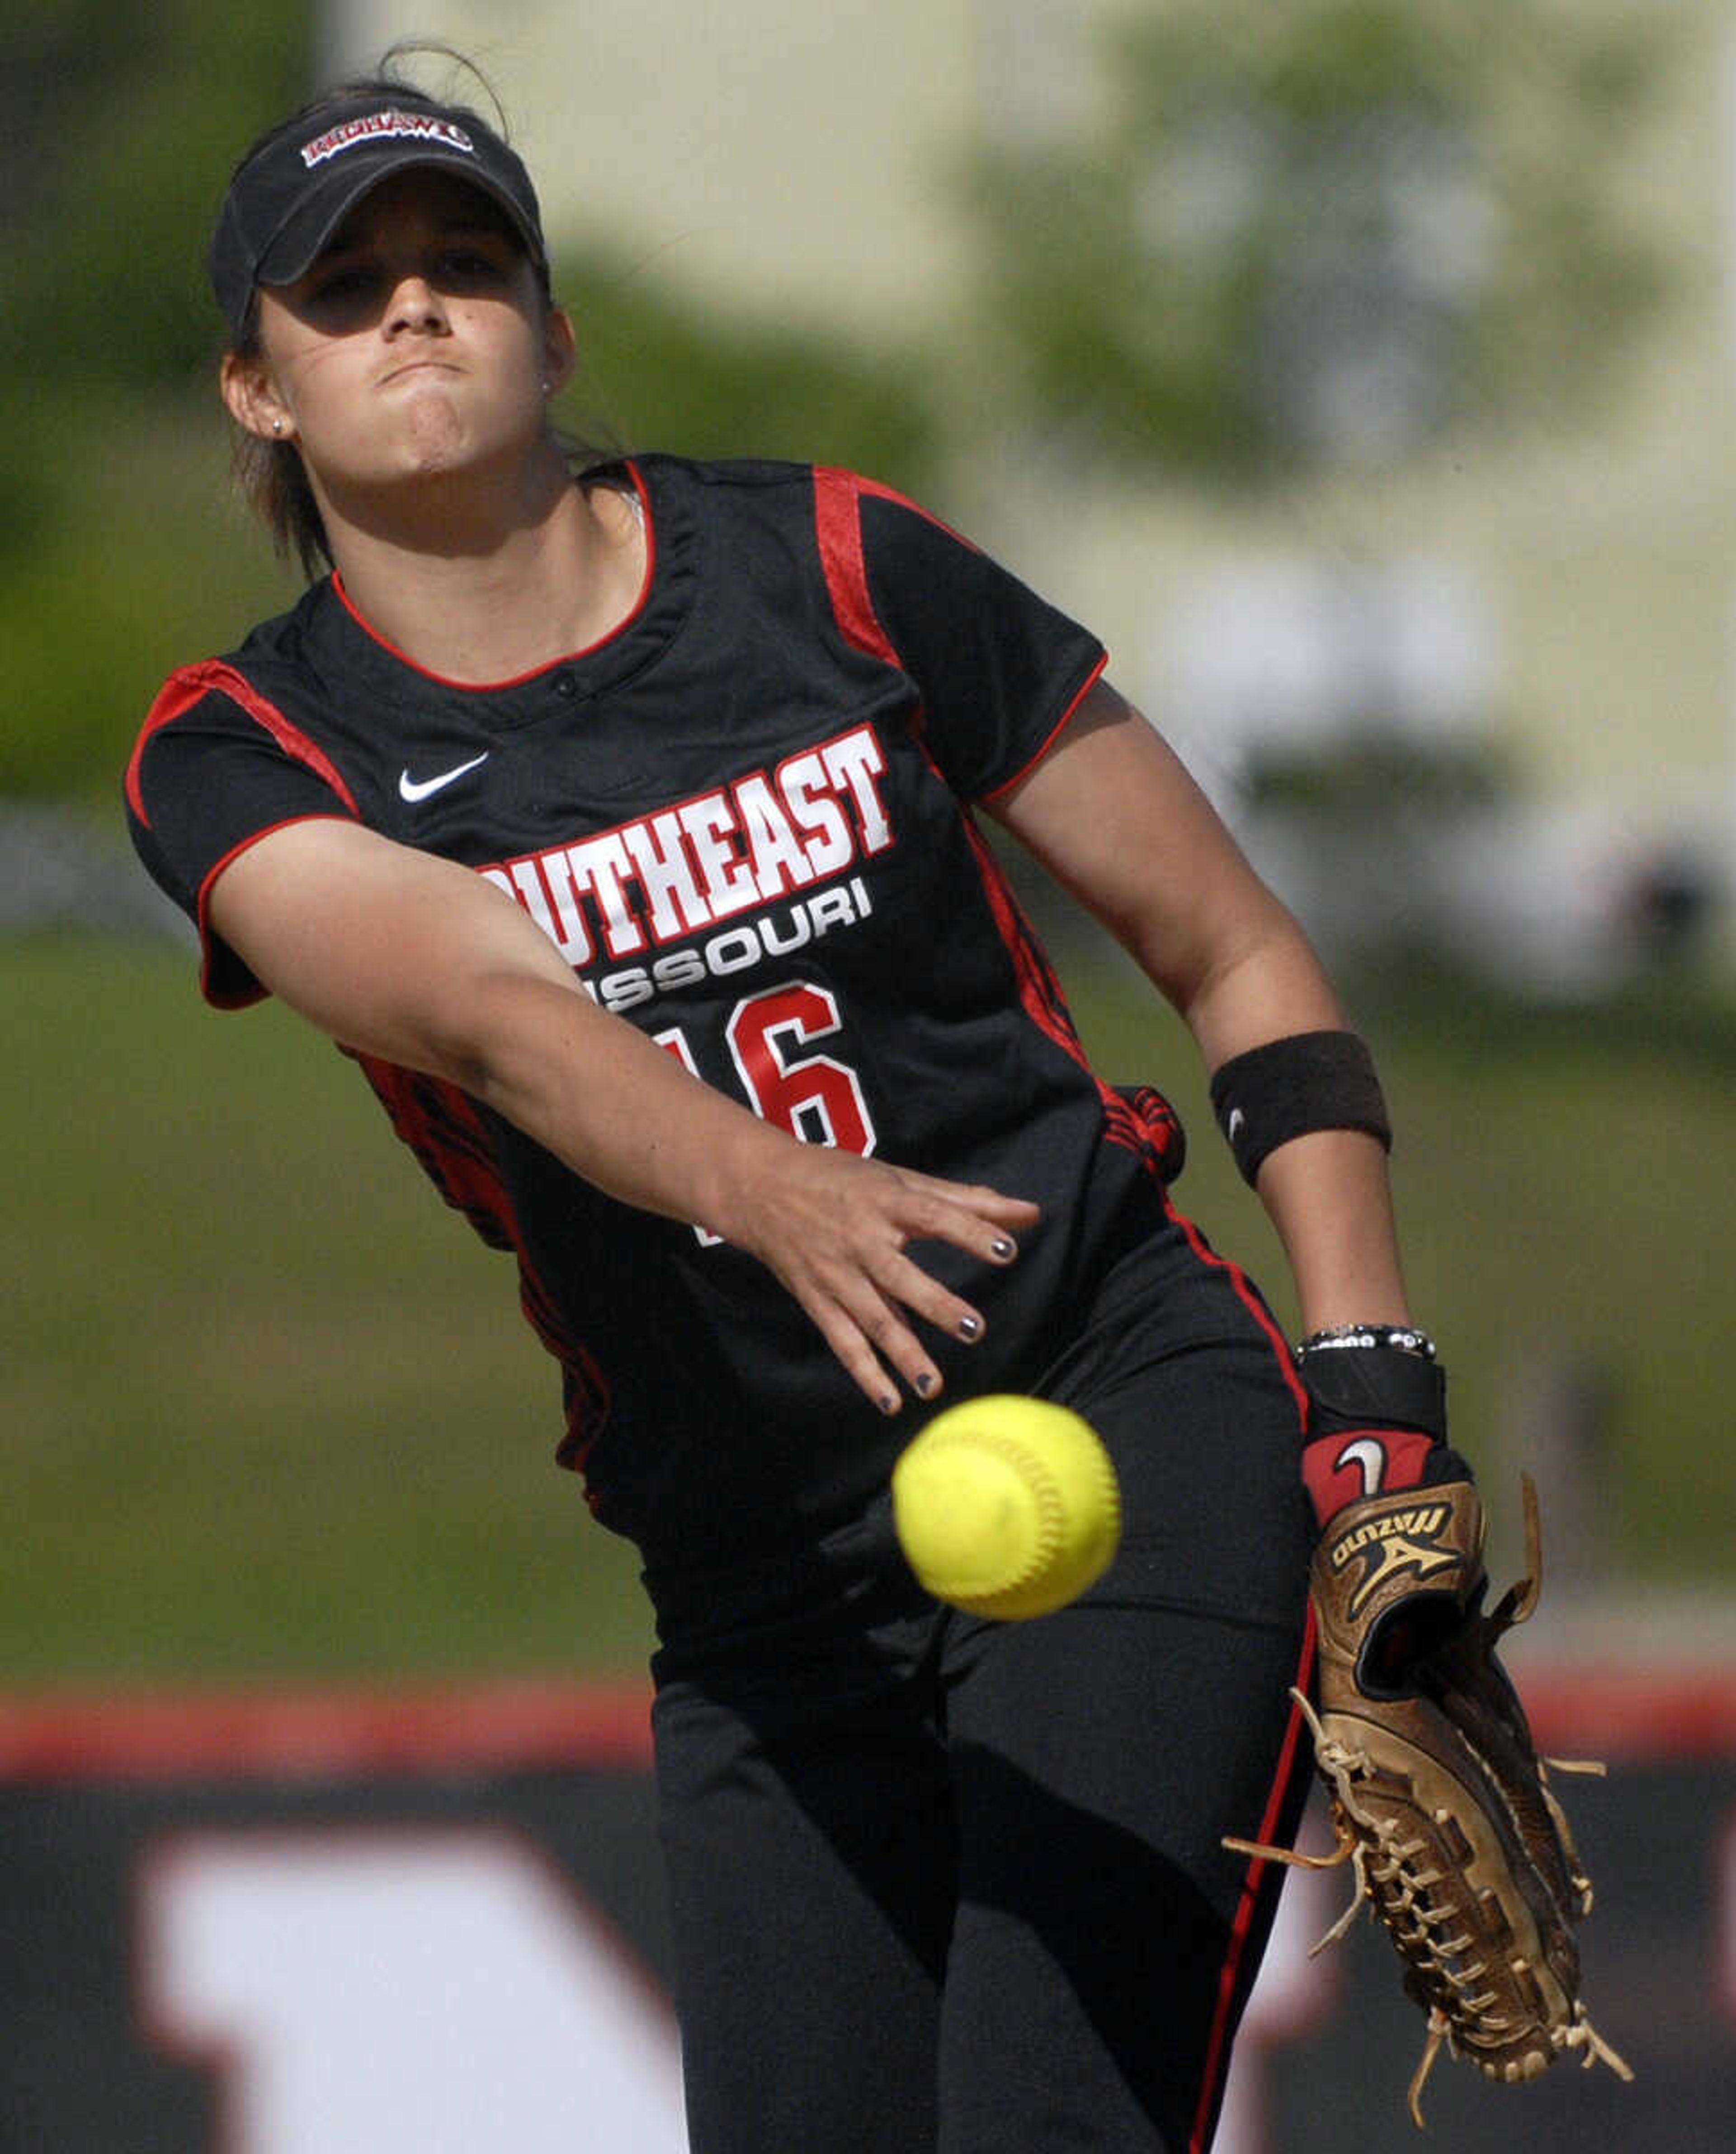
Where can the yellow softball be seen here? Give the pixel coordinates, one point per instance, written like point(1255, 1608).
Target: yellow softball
point(1006, 1506)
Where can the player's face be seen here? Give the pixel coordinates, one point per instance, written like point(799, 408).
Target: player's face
point(418, 343)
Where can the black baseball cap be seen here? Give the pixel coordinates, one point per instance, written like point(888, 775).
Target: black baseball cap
point(290, 196)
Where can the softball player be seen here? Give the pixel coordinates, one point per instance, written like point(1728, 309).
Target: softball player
point(624, 826)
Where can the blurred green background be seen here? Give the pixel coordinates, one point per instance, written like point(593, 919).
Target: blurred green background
point(265, 1409)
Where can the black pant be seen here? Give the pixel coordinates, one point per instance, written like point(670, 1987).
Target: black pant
point(944, 1886)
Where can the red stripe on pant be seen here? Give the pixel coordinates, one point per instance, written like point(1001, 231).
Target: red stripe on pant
point(1290, 1762)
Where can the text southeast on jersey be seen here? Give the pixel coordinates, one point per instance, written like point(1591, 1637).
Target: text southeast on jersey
point(662, 877)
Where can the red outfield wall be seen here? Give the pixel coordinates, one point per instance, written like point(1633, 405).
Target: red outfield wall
point(314, 1922)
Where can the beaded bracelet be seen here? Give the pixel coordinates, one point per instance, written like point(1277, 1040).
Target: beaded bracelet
point(1400, 1338)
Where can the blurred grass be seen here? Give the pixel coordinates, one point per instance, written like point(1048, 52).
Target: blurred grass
point(267, 1411)
point(266, 1408)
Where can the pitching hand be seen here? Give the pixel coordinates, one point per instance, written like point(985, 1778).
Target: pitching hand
point(835, 1228)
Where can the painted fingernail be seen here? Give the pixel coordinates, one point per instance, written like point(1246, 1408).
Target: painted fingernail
point(970, 1327)
point(889, 1402)
point(925, 1383)
point(1003, 1248)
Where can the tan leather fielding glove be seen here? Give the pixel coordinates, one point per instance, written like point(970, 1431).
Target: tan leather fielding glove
point(1439, 1800)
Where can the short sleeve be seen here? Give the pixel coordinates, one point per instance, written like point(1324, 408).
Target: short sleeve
point(1000, 670)
point(215, 767)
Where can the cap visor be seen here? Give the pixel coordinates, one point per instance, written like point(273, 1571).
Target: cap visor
point(306, 234)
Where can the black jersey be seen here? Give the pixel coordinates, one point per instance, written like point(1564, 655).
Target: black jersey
point(743, 819)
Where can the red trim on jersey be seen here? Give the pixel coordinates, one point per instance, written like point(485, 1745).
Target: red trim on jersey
point(1145, 1124)
point(183, 689)
point(838, 527)
point(442, 1127)
point(1052, 736)
point(178, 693)
point(879, 492)
point(838, 524)
point(545, 665)
point(1040, 991)
point(1291, 1760)
point(246, 997)
point(277, 1734)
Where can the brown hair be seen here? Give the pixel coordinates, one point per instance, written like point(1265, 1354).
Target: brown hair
point(271, 478)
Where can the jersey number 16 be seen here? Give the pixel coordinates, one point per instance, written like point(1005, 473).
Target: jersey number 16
point(815, 1097)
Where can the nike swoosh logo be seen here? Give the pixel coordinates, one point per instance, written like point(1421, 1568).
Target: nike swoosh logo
point(1369, 1457)
point(419, 788)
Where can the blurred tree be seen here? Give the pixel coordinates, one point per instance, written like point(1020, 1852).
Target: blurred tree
point(658, 370)
point(117, 129)
point(1324, 230)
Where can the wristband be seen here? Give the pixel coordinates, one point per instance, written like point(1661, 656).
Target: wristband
point(1354, 1386)
point(1376, 1415)
point(1290, 1087)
